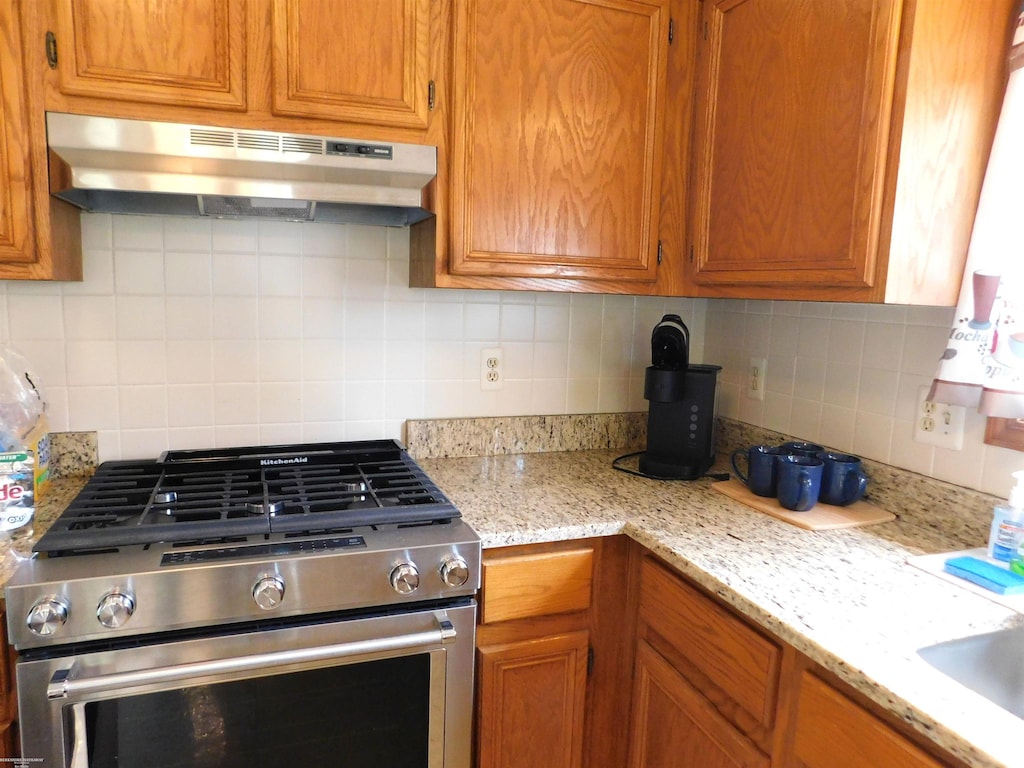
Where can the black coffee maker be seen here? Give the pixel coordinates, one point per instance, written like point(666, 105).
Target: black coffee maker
point(683, 404)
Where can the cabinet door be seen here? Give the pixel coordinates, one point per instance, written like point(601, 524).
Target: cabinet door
point(9, 747)
point(558, 111)
point(675, 727)
point(793, 119)
point(532, 695)
point(181, 52)
point(352, 60)
point(15, 206)
point(834, 732)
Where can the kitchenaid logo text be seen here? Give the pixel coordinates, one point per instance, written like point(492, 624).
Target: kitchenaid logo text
point(275, 462)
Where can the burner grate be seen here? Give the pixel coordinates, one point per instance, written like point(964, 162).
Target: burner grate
point(246, 491)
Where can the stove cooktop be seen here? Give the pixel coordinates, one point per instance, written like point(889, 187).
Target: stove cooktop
point(221, 494)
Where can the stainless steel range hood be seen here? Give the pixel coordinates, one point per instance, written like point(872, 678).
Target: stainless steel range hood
point(136, 166)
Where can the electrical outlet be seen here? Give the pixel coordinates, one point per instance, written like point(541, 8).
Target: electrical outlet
point(938, 423)
point(492, 370)
point(756, 377)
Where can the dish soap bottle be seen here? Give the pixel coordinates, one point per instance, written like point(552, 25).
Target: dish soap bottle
point(1007, 534)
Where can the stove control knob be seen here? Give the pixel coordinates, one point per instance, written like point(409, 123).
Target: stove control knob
point(47, 616)
point(454, 571)
point(268, 592)
point(405, 578)
point(115, 608)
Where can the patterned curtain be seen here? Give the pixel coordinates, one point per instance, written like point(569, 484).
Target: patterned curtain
point(983, 364)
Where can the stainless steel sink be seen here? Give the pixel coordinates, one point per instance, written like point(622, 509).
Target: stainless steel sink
point(991, 665)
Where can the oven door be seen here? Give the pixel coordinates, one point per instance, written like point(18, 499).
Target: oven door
point(384, 690)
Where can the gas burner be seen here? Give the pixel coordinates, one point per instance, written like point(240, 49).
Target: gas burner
point(264, 507)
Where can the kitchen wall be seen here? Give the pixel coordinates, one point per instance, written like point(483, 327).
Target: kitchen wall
point(194, 332)
point(848, 376)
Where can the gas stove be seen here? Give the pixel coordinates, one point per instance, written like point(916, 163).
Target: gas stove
point(228, 495)
point(209, 537)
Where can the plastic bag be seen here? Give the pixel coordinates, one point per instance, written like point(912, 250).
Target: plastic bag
point(24, 452)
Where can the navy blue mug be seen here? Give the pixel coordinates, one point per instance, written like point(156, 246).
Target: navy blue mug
point(761, 475)
point(842, 479)
point(799, 448)
point(799, 481)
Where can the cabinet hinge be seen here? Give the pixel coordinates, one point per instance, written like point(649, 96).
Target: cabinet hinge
point(704, 30)
point(431, 94)
point(661, 251)
point(590, 660)
point(691, 254)
point(51, 50)
point(671, 30)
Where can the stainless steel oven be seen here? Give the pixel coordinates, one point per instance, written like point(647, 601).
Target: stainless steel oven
point(346, 639)
point(369, 690)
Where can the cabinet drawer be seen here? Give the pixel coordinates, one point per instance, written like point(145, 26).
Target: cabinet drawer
point(834, 732)
point(542, 584)
point(734, 657)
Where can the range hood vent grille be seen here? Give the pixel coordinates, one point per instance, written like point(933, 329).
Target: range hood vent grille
point(269, 142)
point(208, 138)
point(307, 144)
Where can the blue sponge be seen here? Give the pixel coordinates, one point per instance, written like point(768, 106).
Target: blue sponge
point(987, 575)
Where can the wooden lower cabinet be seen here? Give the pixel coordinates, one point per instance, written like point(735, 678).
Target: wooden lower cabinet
point(532, 694)
point(705, 682)
point(710, 689)
point(674, 726)
point(554, 655)
point(832, 731)
point(9, 744)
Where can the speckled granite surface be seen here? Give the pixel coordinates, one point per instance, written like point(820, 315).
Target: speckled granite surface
point(524, 434)
point(72, 453)
point(846, 598)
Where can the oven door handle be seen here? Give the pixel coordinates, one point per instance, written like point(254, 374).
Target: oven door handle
point(62, 685)
point(79, 742)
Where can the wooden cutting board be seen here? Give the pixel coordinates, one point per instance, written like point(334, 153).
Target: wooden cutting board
point(820, 517)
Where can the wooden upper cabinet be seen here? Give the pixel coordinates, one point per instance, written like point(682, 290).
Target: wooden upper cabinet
point(839, 147)
point(557, 140)
point(40, 237)
point(177, 52)
point(787, 178)
point(15, 200)
point(352, 60)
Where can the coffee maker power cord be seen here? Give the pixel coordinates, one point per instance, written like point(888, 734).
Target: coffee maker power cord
point(617, 465)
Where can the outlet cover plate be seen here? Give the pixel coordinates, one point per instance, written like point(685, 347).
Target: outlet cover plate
point(939, 424)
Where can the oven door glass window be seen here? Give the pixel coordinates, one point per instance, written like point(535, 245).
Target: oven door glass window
point(374, 713)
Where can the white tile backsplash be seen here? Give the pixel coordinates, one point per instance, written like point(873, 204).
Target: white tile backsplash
point(138, 273)
point(848, 377)
point(191, 333)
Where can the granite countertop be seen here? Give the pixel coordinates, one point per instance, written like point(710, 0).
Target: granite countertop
point(847, 598)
